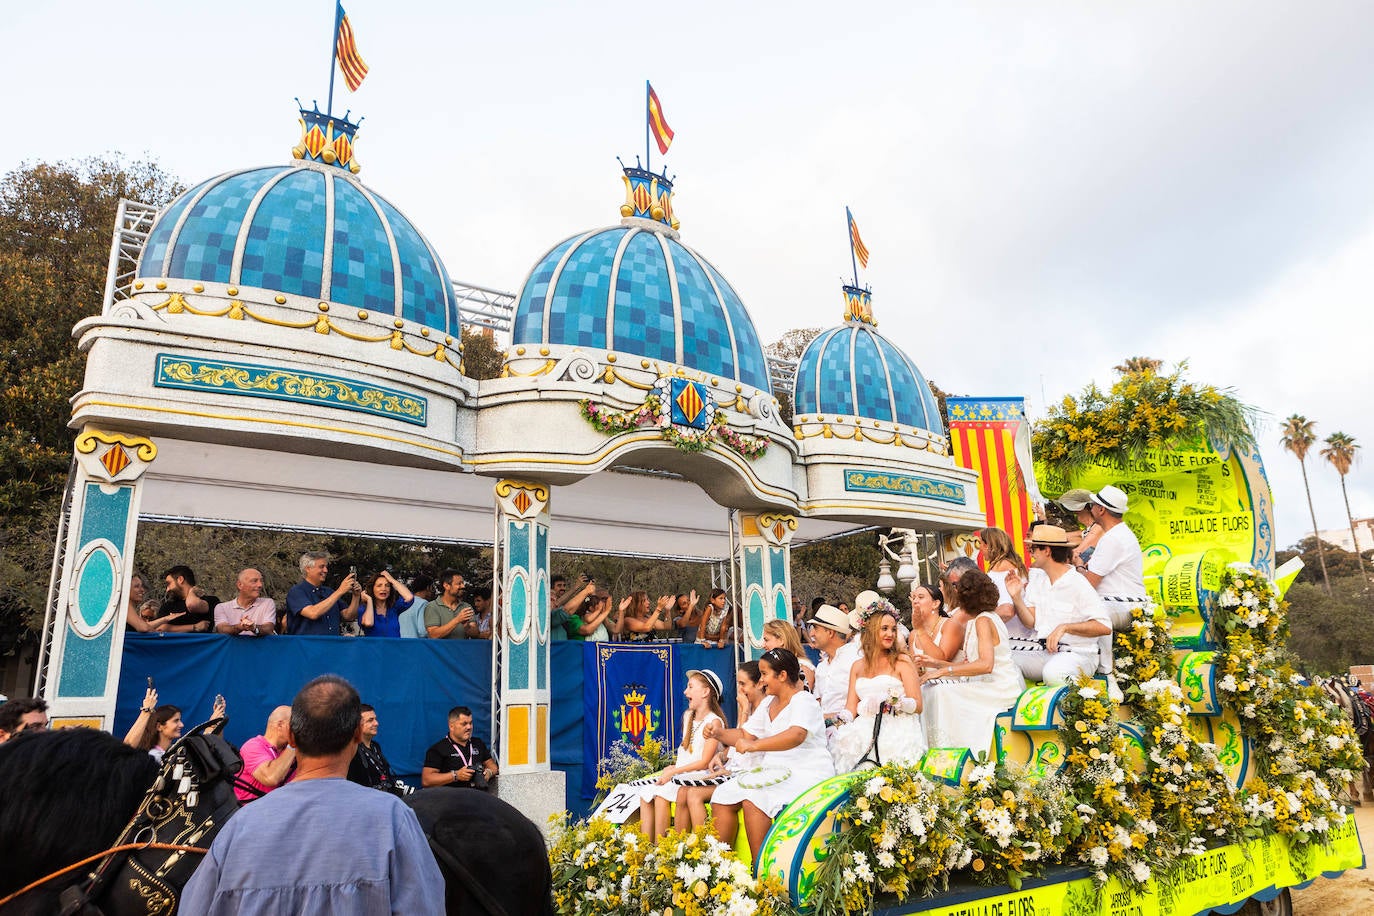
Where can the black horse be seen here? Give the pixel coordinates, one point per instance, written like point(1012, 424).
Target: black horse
point(492, 856)
point(65, 795)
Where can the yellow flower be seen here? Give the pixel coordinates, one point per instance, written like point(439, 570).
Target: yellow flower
point(1081, 725)
point(987, 804)
point(700, 889)
point(1094, 753)
point(979, 865)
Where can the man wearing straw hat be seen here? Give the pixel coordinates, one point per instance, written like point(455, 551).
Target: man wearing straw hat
point(1068, 615)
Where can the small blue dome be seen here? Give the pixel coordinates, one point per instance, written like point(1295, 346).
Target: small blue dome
point(305, 230)
point(636, 289)
point(853, 371)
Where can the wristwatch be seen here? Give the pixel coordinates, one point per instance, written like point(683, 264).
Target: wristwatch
point(255, 629)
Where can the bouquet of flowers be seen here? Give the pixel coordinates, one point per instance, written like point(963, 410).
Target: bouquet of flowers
point(594, 863)
point(626, 763)
point(1144, 651)
point(899, 833)
point(1016, 826)
point(694, 874)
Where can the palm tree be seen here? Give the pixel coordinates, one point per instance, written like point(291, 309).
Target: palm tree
point(1138, 364)
point(1340, 451)
point(1298, 438)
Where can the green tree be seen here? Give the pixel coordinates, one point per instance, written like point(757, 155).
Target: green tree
point(1298, 437)
point(1341, 450)
point(55, 225)
point(482, 358)
point(1330, 632)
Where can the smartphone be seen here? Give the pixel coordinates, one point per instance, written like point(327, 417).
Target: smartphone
point(150, 682)
point(219, 699)
point(353, 571)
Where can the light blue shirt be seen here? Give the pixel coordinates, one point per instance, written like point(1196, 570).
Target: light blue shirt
point(412, 620)
point(320, 846)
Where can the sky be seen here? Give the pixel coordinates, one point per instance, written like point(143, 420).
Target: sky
point(1045, 188)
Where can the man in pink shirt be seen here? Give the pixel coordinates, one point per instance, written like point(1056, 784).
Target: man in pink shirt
point(269, 761)
point(249, 613)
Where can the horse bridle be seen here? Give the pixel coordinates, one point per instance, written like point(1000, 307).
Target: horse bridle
point(155, 855)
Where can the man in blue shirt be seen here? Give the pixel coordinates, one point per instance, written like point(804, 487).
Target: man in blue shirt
point(320, 844)
point(312, 608)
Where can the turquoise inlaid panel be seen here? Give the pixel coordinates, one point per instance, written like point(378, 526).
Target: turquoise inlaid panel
point(861, 481)
point(518, 665)
point(85, 664)
point(106, 515)
point(519, 606)
point(753, 566)
point(757, 614)
point(95, 586)
point(780, 609)
point(777, 559)
point(222, 377)
point(518, 547)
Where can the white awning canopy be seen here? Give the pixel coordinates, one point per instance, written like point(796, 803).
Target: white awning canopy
point(623, 513)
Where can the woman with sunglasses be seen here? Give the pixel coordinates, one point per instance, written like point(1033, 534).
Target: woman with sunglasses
point(787, 732)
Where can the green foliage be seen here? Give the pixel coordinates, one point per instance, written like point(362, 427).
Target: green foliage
point(1338, 562)
point(55, 225)
point(1330, 632)
point(1143, 410)
point(482, 359)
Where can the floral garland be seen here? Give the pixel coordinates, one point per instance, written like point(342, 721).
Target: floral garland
point(1144, 410)
point(656, 412)
point(1017, 826)
point(1304, 746)
point(1144, 651)
point(899, 833)
point(1195, 801)
point(600, 868)
point(1113, 804)
point(626, 763)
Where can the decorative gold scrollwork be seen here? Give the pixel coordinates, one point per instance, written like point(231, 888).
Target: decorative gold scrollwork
point(91, 438)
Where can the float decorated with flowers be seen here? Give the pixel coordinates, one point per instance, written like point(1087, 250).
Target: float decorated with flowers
point(1214, 782)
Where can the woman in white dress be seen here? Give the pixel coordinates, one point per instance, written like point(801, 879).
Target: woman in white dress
point(964, 712)
point(788, 734)
point(697, 788)
point(884, 700)
point(694, 753)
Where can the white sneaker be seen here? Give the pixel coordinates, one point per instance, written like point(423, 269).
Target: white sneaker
point(1113, 691)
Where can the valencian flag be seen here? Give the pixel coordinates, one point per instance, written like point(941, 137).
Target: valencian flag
point(663, 134)
point(627, 695)
point(984, 433)
point(860, 251)
point(346, 51)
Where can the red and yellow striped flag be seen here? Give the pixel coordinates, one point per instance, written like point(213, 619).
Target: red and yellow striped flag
point(663, 134)
point(346, 52)
point(860, 250)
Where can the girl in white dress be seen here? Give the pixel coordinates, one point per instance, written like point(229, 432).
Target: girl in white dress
point(694, 753)
point(697, 788)
point(963, 713)
point(788, 734)
point(884, 700)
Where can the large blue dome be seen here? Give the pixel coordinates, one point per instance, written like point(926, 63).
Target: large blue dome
point(636, 289)
point(853, 371)
point(308, 230)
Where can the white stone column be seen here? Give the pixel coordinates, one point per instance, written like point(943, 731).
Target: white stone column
point(520, 651)
point(86, 639)
point(764, 570)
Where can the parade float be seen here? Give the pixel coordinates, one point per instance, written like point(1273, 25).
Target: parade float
point(280, 348)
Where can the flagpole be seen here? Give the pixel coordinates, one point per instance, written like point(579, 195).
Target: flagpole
point(647, 89)
point(853, 259)
point(333, 45)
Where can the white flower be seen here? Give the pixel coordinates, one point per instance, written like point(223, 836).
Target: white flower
point(1227, 684)
point(874, 785)
point(1088, 692)
point(887, 860)
point(1098, 856)
point(1140, 872)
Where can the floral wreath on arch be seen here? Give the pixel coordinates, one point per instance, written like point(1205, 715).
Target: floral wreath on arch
point(684, 412)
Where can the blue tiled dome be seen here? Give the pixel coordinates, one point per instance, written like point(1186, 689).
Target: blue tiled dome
point(636, 289)
point(304, 230)
point(853, 371)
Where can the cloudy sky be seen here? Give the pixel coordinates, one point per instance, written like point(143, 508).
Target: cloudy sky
point(1046, 188)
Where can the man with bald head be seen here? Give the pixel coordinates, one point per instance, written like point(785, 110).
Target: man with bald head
point(321, 844)
point(269, 760)
point(249, 613)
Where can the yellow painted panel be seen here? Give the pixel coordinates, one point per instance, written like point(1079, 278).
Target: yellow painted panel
point(541, 734)
point(518, 735)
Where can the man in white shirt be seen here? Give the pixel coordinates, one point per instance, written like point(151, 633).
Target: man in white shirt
point(830, 632)
point(1067, 614)
point(1116, 568)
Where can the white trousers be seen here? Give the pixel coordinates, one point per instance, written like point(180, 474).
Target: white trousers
point(1056, 668)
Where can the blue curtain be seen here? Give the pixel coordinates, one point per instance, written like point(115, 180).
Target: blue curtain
point(412, 682)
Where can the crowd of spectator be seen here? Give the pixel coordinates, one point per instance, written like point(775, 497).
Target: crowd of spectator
point(446, 607)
